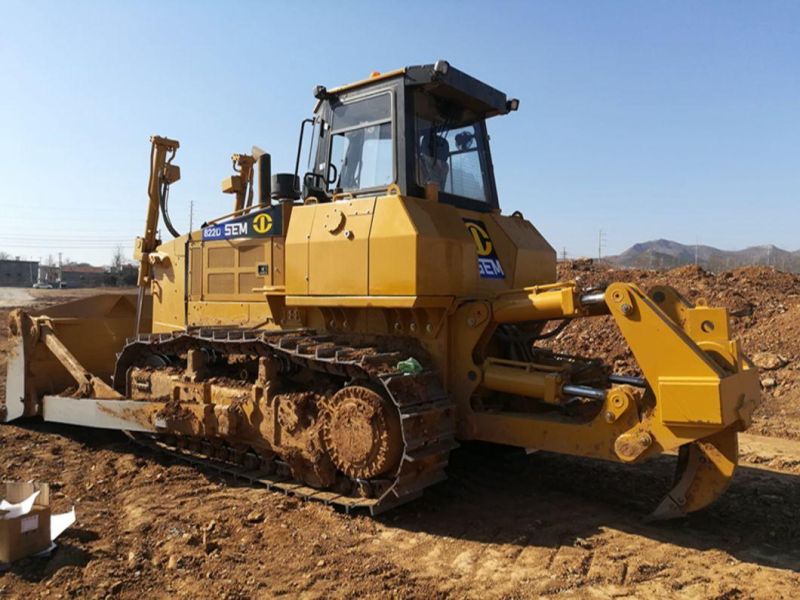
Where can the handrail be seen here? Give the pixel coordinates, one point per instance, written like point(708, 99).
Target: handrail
point(233, 214)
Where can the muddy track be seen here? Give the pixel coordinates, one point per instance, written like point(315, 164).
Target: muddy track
point(427, 422)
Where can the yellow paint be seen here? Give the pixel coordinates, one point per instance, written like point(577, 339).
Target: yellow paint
point(338, 247)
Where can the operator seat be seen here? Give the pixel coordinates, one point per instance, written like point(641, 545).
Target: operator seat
point(434, 151)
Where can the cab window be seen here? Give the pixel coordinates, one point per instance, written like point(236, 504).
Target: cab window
point(362, 149)
point(450, 150)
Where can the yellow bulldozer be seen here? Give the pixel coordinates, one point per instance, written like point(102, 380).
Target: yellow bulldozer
point(346, 325)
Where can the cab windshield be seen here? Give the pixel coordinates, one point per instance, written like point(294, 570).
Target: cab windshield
point(450, 149)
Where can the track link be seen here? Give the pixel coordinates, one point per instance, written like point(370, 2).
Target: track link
point(426, 412)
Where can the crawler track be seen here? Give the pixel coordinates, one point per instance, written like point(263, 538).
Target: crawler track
point(426, 412)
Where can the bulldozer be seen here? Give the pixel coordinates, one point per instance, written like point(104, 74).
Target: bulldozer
point(341, 330)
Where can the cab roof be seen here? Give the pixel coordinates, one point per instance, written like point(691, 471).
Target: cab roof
point(441, 79)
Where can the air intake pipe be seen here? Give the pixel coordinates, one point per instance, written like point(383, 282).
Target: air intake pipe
point(264, 180)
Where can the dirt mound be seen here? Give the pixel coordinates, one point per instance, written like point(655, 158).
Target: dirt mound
point(764, 305)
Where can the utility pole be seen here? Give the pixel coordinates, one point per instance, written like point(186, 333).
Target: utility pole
point(564, 254)
point(696, 250)
point(191, 214)
point(60, 270)
point(601, 240)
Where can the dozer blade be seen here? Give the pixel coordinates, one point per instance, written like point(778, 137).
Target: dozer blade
point(12, 406)
point(705, 469)
point(67, 346)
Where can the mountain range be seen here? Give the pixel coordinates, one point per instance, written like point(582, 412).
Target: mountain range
point(666, 254)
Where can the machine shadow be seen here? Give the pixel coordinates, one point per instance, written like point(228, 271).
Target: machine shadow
point(498, 495)
point(37, 569)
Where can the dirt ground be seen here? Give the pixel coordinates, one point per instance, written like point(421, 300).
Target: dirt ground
point(504, 525)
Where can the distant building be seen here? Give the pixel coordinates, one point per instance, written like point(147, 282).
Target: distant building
point(18, 273)
point(84, 276)
point(81, 275)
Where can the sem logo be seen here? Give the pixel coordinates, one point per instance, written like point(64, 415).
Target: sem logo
point(483, 243)
point(262, 223)
point(235, 230)
point(267, 222)
point(489, 265)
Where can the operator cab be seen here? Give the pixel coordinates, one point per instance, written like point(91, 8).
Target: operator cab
point(419, 128)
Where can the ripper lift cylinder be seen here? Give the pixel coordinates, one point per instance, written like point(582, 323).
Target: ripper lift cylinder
point(547, 302)
point(533, 305)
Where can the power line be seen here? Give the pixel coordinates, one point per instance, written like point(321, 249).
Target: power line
point(45, 241)
point(53, 247)
point(75, 238)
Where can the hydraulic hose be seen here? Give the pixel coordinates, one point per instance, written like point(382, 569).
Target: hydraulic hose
point(163, 200)
point(163, 195)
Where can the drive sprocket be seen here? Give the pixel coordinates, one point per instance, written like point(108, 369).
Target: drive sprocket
point(362, 433)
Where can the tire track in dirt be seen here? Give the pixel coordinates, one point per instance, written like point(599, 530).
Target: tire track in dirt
point(538, 540)
point(504, 525)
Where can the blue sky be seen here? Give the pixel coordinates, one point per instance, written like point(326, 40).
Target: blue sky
point(646, 119)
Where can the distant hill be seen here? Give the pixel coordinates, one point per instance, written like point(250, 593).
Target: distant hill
point(665, 254)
